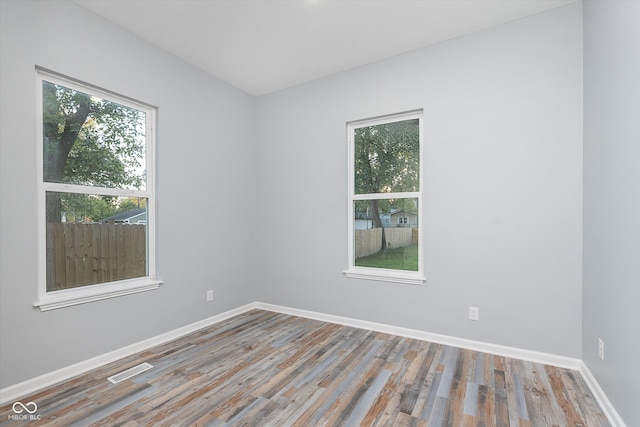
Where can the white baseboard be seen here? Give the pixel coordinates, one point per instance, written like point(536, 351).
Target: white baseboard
point(601, 397)
point(12, 393)
point(513, 352)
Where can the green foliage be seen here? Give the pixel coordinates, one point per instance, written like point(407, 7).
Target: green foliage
point(92, 142)
point(405, 258)
point(131, 203)
point(108, 145)
point(87, 207)
point(92, 208)
point(387, 157)
point(362, 208)
point(386, 160)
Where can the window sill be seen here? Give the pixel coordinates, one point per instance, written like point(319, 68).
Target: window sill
point(411, 278)
point(69, 297)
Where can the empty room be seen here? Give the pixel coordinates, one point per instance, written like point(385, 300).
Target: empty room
point(320, 213)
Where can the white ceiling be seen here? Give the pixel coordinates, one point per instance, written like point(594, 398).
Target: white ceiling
point(261, 46)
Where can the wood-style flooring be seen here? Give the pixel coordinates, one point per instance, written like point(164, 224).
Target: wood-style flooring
point(263, 368)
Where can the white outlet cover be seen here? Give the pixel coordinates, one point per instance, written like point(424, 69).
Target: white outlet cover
point(601, 349)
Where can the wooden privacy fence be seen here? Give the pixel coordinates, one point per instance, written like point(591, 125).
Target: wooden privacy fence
point(368, 242)
point(86, 254)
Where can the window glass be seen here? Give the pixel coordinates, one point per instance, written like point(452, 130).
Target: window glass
point(97, 196)
point(385, 198)
point(88, 140)
point(386, 233)
point(387, 157)
point(100, 239)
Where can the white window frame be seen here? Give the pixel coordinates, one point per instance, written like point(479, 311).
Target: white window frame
point(67, 297)
point(382, 274)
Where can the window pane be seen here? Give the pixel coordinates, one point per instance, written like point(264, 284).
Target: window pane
point(386, 233)
point(91, 141)
point(387, 157)
point(97, 239)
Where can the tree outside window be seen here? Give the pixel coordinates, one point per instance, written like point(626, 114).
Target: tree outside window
point(95, 165)
point(385, 191)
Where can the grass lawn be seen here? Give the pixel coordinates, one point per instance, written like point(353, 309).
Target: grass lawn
point(397, 259)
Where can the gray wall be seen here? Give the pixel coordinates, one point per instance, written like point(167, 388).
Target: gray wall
point(503, 173)
point(503, 186)
point(611, 278)
point(205, 166)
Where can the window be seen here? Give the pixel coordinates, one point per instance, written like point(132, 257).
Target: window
point(385, 198)
point(96, 193)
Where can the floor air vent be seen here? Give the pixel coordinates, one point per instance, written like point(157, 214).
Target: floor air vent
point(131, 372)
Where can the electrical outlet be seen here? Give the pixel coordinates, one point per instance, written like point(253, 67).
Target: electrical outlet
point(474, 313)
point(210, 295)
point(601, 349)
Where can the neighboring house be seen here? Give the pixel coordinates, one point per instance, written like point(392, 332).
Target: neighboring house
point(403, 218)
point(132, 216)
point(364, 221)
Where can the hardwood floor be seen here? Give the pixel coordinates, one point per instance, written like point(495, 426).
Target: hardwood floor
point(263, 369)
